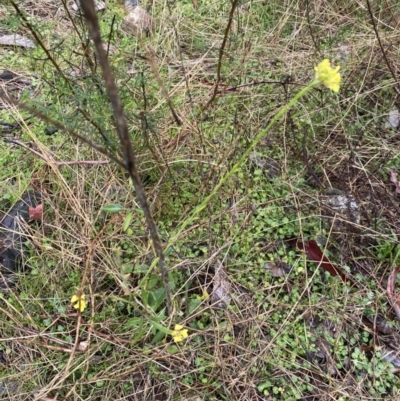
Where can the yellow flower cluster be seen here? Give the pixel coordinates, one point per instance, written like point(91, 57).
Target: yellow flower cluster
point(327, 75)
point(179, 333)
point(79, 302)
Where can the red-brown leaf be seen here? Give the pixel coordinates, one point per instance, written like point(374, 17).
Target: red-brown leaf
point(36, 213)
point(315, 255)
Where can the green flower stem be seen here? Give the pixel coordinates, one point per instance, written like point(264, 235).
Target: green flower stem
point(237, 165)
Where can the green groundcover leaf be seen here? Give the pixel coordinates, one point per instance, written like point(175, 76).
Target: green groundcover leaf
point(113, 208)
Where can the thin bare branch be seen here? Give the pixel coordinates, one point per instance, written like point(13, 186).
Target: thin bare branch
point(221, 53)
point(126, 144)
point(41, 44)
point(396, 87)
point(14, 102)
point(58, 164)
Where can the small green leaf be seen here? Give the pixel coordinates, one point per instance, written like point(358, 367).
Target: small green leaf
point(169, 251)
point(127, 221)
point(134, 323)
point(152, 281)
point(156, 298)
point(127, 268)
point(141, 268)
point(139, 333)
point(148, 282)
point(145, 297)
point(173, 349)
point(160, 327)
point(193, 305)
point(158, 337)
point(112, 208)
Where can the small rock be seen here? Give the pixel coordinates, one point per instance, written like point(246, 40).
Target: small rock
point(50, 130)
point(394, 119)
point(16, 40)
point(346, 206)
point(7, 75)
point(138, 22)
point(99, 5)
point(110, 49)
point(269, 166)
point(275, 270)
point(130, 4)
point(342, 210)
point(344, 52)
point(132, 70)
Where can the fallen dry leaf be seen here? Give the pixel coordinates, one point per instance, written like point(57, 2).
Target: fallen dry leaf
point(220, 296)
point(314, 253)
point(276, 271)
point(36, 213)
point(381, 325)
point(393, 178)
point(393, 298)
point(391, 356)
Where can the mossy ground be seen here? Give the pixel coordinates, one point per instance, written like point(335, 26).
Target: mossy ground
point(294, 337)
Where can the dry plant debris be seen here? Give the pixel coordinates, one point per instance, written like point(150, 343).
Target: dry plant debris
point(298, 248)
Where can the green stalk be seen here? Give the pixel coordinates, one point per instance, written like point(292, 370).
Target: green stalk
point(239, 163)
point(236, 167)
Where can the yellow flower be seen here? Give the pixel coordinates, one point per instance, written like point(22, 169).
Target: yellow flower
point(327, 75)
point(79, 302)
point(179, 333)
point(204, 296)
